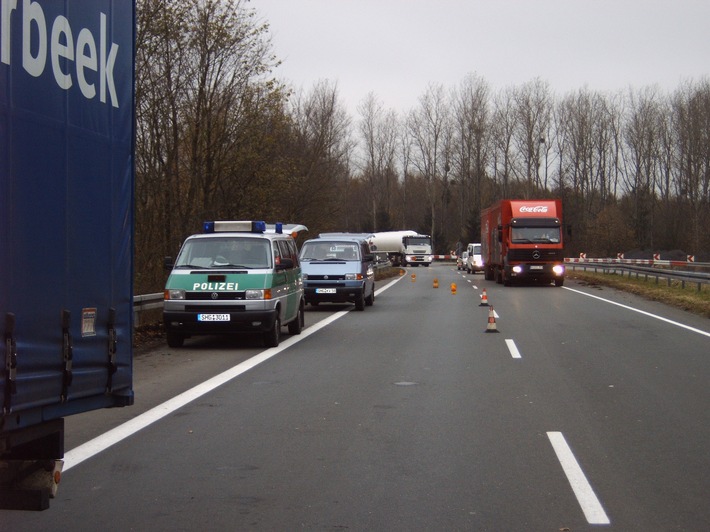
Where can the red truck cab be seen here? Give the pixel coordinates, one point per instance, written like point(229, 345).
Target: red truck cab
point(523, 240)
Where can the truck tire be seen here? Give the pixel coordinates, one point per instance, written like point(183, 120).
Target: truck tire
point(559, 282)
point(296, 326)
point(273, 335)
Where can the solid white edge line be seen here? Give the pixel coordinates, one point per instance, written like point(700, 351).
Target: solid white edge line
point(513, 348)
point(589, 502)
point(699, 331)
point(86, 450)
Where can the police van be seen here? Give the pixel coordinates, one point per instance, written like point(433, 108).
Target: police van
point(237, 276)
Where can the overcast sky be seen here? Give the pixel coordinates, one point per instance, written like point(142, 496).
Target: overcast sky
point(397, 48)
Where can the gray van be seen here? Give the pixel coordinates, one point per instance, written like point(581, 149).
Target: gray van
point(338, 268)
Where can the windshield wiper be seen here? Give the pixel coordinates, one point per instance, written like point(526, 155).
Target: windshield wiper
point(229, 265)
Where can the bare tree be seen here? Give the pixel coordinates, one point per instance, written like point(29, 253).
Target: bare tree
point(429, 127)
point(378, 129)
point(533, 115)
point(641, 140)
point(470, 154)
point(319, 156)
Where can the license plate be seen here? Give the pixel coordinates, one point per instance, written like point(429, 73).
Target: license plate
point(213, 317)
point(535, 267)
point(325, 290)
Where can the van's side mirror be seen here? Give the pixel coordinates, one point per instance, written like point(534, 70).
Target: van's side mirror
point(286, 264)
point(168, 263)
point(369, 258)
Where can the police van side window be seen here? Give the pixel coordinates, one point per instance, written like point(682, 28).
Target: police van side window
point(294, 252)
point(285, 250)
point(289, 251)
point(277, 253)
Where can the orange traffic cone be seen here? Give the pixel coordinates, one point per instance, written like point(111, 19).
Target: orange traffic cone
point(453, 288)
point(436, 282)
point(491, 321)
point(484, 299)
point(414, 277)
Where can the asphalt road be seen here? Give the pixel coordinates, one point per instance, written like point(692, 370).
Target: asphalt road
point(586, 409)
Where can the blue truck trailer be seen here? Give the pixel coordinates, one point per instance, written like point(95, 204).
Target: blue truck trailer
point(66, 228)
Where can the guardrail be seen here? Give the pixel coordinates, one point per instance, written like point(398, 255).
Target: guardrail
point(146, 302)
point(639, 268)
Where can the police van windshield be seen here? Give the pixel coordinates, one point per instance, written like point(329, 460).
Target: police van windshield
point(330, 251)
point(231, 252)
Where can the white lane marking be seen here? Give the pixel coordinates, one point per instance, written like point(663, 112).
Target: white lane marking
point(591, 506)
point(86, 450)
point(699, 331)
point(513, 348)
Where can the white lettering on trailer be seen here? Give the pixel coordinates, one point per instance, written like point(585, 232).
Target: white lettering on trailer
point(536, 208)
point(61, 45)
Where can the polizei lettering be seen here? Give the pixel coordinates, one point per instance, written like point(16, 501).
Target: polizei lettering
point(215, 286)
point(60, 44)
point(534, 208)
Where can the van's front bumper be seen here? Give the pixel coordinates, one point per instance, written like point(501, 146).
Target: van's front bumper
point(209, 321)
point(322, 293)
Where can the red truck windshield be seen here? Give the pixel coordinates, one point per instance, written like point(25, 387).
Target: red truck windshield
point(545, 235)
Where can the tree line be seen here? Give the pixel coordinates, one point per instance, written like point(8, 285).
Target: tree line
point(219, 136)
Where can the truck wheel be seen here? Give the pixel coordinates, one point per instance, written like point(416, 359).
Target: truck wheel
point(296, 326)
point(360, 302)
point(174, 339)
point(559, 282)
point(273, 335)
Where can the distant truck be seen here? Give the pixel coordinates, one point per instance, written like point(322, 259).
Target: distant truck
point(403, 247)
point(66, 229)
point(522, 240)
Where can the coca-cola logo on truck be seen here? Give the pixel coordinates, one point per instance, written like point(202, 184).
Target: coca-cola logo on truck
point(533, 208)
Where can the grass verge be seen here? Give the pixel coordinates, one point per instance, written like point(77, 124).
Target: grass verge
point(688, 298)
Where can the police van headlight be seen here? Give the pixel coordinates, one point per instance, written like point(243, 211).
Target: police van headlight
point(173, 294)
point(257, 294)
point(304, 276)
point(353, 277)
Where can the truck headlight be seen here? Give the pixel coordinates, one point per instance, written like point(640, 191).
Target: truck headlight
point(518, 269)
point(558, 269)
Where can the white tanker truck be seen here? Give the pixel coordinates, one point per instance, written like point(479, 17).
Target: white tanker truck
point(403, 247)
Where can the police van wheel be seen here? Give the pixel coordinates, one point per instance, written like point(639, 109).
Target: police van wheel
point(296, 326)
point(273, 335)
point(175, 339)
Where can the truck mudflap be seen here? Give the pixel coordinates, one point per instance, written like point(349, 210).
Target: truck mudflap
point(29, 484)
point(31, 465)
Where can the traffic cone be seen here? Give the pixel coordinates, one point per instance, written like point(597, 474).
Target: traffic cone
point(401, 271)
point(453, 289)
point(491, 321)
point(484, 299)
point(436, 282)
point(414, 277)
